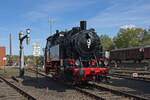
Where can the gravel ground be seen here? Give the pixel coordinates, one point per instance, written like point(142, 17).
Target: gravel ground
point(46, 89)
point(9, 71)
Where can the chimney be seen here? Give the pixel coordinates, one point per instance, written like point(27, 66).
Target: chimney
point(83, 25)
point(57, 31)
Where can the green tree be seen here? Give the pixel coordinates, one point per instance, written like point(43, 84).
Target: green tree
point(146, 38)
point(129, 37)
point(107, 42)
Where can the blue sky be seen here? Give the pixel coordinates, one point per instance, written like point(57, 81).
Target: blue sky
point(106, 16)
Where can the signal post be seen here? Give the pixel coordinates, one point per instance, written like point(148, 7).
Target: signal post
point(36, 54)
point(21, 38)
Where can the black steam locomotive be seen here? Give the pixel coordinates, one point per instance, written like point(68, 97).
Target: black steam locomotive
point(76, 53)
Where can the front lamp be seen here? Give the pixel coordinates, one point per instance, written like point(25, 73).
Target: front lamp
point(28, 31)
point(28, 35)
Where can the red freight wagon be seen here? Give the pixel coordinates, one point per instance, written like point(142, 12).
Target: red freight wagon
point(147, 52)
point(135, 54)
point(2, 56)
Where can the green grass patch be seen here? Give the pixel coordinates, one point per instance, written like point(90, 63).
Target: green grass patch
point(8, 72)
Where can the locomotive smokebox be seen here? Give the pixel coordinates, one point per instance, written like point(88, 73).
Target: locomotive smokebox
point(83, 25)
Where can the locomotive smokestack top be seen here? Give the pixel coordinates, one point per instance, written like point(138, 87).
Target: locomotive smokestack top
point(83, 25)
point(57, 31)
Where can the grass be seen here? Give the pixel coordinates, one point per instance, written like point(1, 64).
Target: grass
point(8, 72)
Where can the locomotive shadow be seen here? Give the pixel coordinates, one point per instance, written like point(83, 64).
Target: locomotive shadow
point(44, 83)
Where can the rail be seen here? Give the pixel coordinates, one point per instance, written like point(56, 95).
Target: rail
point(22, 92)
point(118, 92)
point(131, 78)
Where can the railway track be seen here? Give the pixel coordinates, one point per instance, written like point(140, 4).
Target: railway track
point(144, 79)
point(10, 91)
point(130, 72)
point(44, 88)
point(129, 68)
point(79, 89)
point(117, 93)
point(106, 93)
point(102, 93)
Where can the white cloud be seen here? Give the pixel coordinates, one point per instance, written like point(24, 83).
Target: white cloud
point(55, 9)
point(122, 12)
point(130, 26)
